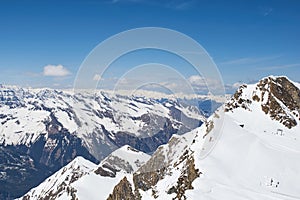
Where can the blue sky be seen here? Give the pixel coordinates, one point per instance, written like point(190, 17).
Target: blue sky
point(247, 39)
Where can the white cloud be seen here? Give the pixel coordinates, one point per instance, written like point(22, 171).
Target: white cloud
point(97, 77)
point(197, 80)
point(202, 85)
point(55, 70)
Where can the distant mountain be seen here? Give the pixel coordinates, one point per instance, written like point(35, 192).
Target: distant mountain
point(82, 179)
point(41, 130)
point(256, 152)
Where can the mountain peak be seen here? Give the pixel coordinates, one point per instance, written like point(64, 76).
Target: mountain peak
point(82, 179)
point(126, 159)
point(277, 97)
point(54, 186)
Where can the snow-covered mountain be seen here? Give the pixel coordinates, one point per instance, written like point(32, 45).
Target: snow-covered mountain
point(26, 114)
point(256, 152)
point(41, 130)
point(248, 149)
point(82, 179)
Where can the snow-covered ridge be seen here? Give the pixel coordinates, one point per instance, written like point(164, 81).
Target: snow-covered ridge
point(62, 180)
point(256, 156)
point(81, 178)
point(125, 159)
point(278, 97)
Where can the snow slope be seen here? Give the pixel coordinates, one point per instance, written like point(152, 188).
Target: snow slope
point(255, 157)
point(83, 180)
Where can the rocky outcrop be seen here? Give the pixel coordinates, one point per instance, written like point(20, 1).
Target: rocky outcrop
point(122, 191)
point(238, 101)
point(188, 175)
point(155, 169)
point(162, 163)
point(106, 171)
point(276, 92)
point(278, 97)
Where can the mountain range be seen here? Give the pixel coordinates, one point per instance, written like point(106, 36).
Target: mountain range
point(247, 149)
point(42, 130)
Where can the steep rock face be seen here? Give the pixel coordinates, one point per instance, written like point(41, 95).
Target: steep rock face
point(122, 191)
point(176, 155)
point(29, 165)
point(186, 178)
point(154, 170)
point(58, 149)
point(18, 172)
point(279, 98)
point(281, 92)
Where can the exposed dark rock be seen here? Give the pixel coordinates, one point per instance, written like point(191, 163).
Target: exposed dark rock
point(237, 101)
point(146, 144)
point(122, 191)
point(209, 126)
point(157, 168)
point(188, 175)
point(26, 167)
point(102, 172)
point(280, 89)
point(19, 172)
point(275, 95)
